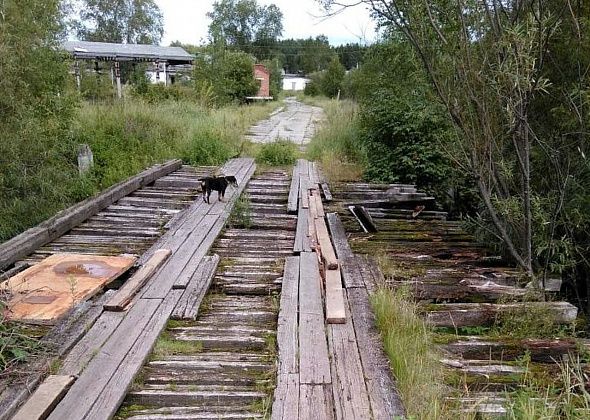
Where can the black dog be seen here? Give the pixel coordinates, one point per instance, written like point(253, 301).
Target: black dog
point(218, 184)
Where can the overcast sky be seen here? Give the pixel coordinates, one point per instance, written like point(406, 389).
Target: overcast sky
point(186, 21)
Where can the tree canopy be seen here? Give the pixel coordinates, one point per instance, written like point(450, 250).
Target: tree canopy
point(120, 21)
point(245, 25)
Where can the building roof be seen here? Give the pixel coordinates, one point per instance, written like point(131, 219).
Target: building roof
point(126, 52)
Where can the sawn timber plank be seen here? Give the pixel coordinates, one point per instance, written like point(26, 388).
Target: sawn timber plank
point(287, 328)
point(188, 305)
point(314, 364)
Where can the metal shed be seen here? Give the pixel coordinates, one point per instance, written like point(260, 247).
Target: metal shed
point(104, 51)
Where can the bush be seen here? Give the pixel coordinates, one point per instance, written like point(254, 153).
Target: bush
point(278, 153)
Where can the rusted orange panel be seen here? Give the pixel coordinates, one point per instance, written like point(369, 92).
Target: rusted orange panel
point(43, 293)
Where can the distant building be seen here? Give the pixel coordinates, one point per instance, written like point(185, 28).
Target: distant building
point(165, 63)
point(262, 75)
point(294, 82)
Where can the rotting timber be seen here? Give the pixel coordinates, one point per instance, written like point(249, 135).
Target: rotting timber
point(127, 218)
point(464, 293)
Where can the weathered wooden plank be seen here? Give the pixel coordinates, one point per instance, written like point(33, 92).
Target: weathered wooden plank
point(318, 203)
point(292, 202)
point(489, 348)
point(90, 344)
point(28, 241)
point(326, 190)
point(475, 314)
point(351, 274)
point(188, 305)
point(301, 243)
point(326, 249)
point(316, 402)
point(45, 398)
point(136, 282)
point(335, 313)
point(287, 329)
point(339, 237)
point(285, 405)
point(383, 396)
point(314, 365)
point(351, 399)
point(303, 192)
point(114, 392)
point(83, 394)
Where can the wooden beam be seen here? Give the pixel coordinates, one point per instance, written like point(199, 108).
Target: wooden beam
point(327, 251)
point(351, 399)
point(339, 237)
point(189, 303)
point(285, 405)
point(136, 282)
point(314, 365)
point(335, 313)
point(28, 241)
point(316, 402)
point(383, 396)
point(293, 192)
point(45, 398)
point(287, 328)
point(485, 314)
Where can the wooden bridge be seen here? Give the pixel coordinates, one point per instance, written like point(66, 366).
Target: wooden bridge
point(260, 309)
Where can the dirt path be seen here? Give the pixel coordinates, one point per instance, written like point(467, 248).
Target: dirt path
point(295, 122)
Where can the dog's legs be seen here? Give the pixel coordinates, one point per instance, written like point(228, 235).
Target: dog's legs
point(209, 197)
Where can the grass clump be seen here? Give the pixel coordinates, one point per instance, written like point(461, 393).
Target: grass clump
point(277, 153)
point(408, 343)
point(337, 144)
point(168, 346)
point(16, 346)
point(240, 216)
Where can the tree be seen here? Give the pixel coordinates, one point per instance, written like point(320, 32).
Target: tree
point(228, 75)
point(484, 61)
point(120, 21)
point(331, 81)
point(246, 26)
point(36, 110)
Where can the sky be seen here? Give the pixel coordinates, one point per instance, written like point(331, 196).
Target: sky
point(186, 21)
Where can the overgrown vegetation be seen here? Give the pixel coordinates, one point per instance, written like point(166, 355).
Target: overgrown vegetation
point(408, 343)
point(277, 153)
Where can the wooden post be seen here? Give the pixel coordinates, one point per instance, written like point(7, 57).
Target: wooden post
point(77, 74)
point(165, 73)
point(157, 64)
point(118, 76)
point(85, 159)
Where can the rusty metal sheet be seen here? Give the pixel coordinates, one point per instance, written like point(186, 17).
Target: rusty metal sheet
point(46, 291)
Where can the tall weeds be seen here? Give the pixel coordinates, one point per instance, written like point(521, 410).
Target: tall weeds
point(125, 138)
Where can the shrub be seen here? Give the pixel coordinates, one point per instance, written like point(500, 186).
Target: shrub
point(278, 153)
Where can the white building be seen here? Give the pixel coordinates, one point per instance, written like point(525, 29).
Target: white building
point(294, 82)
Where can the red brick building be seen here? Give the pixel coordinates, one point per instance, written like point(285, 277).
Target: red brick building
point(262, 75)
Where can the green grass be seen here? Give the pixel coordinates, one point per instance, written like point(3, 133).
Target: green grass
point(125, 138)
point(336, 145)
point(277, 153)
point(409, 345)
point(240, 216)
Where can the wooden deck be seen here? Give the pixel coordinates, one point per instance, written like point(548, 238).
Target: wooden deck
point(233, 294)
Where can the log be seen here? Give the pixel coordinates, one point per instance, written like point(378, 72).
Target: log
point(28, 241)
point(45, 398)
point(484, 314)
point(484, 348)
point(124, 295)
